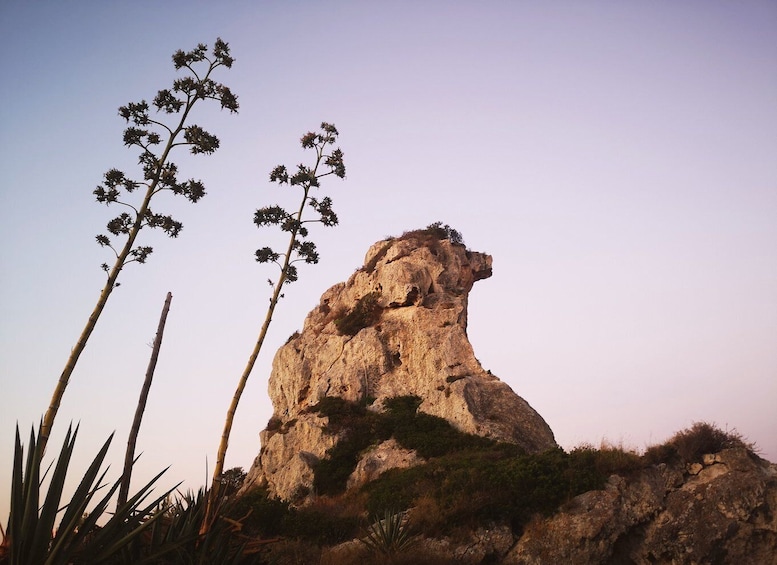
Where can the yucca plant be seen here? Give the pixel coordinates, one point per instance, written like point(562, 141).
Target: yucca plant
point(34, 534)
point(389, 535)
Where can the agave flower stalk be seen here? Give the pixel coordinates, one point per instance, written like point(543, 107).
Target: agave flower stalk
point(159, 175)
point(298, 249)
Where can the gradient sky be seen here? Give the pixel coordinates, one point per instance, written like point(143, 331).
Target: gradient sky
point(617, 159)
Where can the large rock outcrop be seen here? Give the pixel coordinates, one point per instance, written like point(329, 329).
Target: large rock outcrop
point(397, 327)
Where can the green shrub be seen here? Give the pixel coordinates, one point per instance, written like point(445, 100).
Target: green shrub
point(663, 453)
point(429, 436)
point(496, 484)
point(342, 414)
point(364, 314)
point(398, 488)
point(359, 428)
point(320, 526)
point(260, 514)
point(608, 459)
point(467, 479)
point(690, 445)
point(432, 436)
point(331, 474)
point(264, 516)
point(444, 231)
point(403, 405)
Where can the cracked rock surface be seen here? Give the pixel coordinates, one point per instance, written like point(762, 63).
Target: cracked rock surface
point(719, 511)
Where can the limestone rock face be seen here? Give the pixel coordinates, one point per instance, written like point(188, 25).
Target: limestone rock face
point(722, 511)
point(397, 327)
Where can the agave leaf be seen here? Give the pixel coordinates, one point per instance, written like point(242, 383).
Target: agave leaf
point(125, 525)
point(70, 530)
point(16, 514)
point(30, 487)
point(50, 509)
point(389, 535)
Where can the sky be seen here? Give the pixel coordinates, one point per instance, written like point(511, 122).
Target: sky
point(617, 159)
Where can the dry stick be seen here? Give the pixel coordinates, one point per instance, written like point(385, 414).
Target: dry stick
point(129, 457)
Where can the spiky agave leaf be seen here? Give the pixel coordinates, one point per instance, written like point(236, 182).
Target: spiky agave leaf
point(29, 527)
point(389, 535)
point(29, 537)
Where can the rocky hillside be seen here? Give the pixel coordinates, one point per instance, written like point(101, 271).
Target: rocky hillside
point(397, 327)
point(717, 511)
point(720, 510)
point(380, 404)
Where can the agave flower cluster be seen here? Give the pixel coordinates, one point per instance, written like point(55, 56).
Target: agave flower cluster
point(155, 137)
point(306, 177)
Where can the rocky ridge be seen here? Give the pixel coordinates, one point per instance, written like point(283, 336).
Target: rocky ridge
point(723, 510)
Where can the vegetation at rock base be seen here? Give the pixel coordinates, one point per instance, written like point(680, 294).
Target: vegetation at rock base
point(470, 478)
point(466, 480)
point(388, 535)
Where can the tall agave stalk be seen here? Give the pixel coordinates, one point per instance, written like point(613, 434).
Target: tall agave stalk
point(160, 174)
point(298, 249)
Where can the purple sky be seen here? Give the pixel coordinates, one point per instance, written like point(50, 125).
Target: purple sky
point(617, 159)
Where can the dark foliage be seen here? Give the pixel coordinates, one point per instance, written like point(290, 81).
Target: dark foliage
point(476, 486)
point(364, 314)
point(306, 178)
point(359, 428)
point(688, 446)
point(267, 517)
point(435, 232)
point(260, 514)
point(430, 436)
point(231, 480)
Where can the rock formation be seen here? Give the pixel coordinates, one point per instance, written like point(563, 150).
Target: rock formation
point(397, 327)
point(721, 511)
